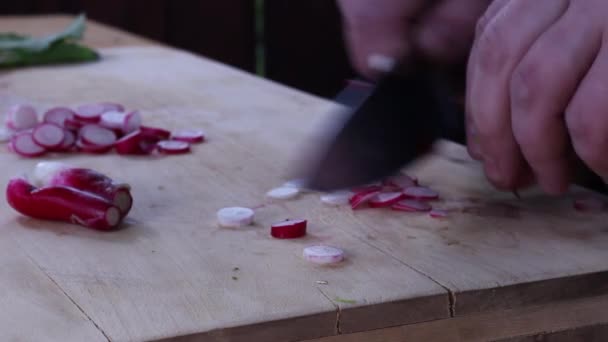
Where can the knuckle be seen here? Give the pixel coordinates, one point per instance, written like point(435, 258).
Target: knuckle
point(525, 84)
point(492, 51)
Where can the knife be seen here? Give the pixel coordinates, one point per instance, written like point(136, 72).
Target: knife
point(391, 124)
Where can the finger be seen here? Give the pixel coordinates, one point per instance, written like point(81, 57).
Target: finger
point(587, 115)
point(541, 87)
point(499, 48)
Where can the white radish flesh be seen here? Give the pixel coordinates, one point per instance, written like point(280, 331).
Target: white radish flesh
point(58, 116)
point(113, 120)
point(90, 112)
point(283, 193)
point(323, 255)
point(189, 135)
point(21, 117)
point(5, 134)
point(411, 205)
point(132, 122)
point(136, 142)
point(48, 135)
point(173, 146)
point(421, 193)
point(68, 141)
point(234, 217)
point(89, 148)
point(24, 145)
point(97, 135)
point(336, 198)
point(385, 199)
point(363, 197)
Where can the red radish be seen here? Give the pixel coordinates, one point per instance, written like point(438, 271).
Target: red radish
point(132, 122)
point(136, 142)
point(283, 193)
point(97, 135)
point(24, 145)
point(589, 204)
point(60, 174)
point(68, 141)
point(362, 197)
point(438, 213)
point(189, 135)
point(5, 134)
point(411, 205)
point(323, 255)
point(90, 112)
point(336, 198)
point(173, 146)
point(48, 135)
point(288, 229)
point(62, 204)
point(73, 124)
point(89, 148)
point(234, 217)
point(58, 115)
point(420, 193)
point(162, 134)
point(21, 117)
point(385, 199)
point(112, 107)
point(113, 120)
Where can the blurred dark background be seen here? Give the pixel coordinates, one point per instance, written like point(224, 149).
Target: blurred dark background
point(294, 42)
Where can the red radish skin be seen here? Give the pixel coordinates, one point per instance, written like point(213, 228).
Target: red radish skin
point(73, 124)
point(62, 204)
point(438, 213)
point(137, 143)
point(367, 188)
point(385, 199)
point(48, 135)
point(162, 134)
point(189, 135)
point(21, 117)
point(173, 147)
point(363, 197)
point(58, 116)
point(94, 149)
point(68, 142)
point(289, 229)
point(90, 112)
point(411, 205)
point(97, 136)
point(132, 122)
point(421, 193)
point(24, 145)
point(88, 180)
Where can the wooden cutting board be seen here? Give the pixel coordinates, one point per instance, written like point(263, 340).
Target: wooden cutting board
point(172, 272)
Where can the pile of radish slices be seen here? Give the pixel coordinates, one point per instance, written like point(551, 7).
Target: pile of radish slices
point(91, 128)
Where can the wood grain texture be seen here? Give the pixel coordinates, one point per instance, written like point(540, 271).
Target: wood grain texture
point(172, 271)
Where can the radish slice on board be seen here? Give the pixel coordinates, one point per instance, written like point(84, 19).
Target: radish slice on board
point(112, 107)
point(68, 141)
point(5, 134)
point(113, 120)
point(162, 134)
point(385, 199)
point(411, 205)
point(97, 135)
point(24, 145)
point(283, 193)
point(58, 116)
point(90, 112)
point(234, 217)
point(420, 193)
point(21, 117)
point(132, 122)
point(89, 148)
point(136, 143)
point(48, 135)
point(289, 229)
point(323, 255)
point(336, 198)
point(73, 124)
point(173, 146)
point(189, 135)
point(589, 204)
point(362, 197)
point(438, 213)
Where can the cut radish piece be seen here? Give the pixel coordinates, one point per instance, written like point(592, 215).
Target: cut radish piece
point(323, 255)
point(113, 120)
point(58, 116)
point(21, 117)
point(362, 197)
point(162, 134)
point(97, 135)
point(341, 197)
point(24, 145)
point(283, 193)
point(90, 112)
point(68, 141)
point(438, 213)
point(589, 204)
point(234, 217)
point(89, 148)
point(112, 107)
point(136, 143)
point(411, 205)
point(420, 193)
point(132, 122)
point(367, 188)
point(173, 146)
point(189, 135)
point(385, 199)
point(289, 229)
point(62, 204)
point(294, 183)
point(5, 134)
point(73, 124)
point(48, 135)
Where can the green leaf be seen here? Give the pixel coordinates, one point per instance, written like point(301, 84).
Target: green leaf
point(10, 41)
point(61, 52)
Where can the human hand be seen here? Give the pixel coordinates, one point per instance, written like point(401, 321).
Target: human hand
point(382, 32)
point(537, 91)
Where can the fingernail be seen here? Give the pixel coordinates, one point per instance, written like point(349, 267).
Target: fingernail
point(493, 171)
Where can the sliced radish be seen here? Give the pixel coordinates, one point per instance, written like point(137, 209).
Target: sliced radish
point(89, 148)
point(362, 197)
point(97, 135)
point(367, 188)
point(234, 217)
point(90, 112)
point(385, 199)
point(132, 122)
point(340, 197)
point(113, 120)
point(21, 117)
point(589, 204)
point(420, 193)
point(323, 255)
point(5, 134)
point(68, 141)
point(438, 213)
point(58, 115)
point(73, 124)
point(189, 135)
point(173, 146)
point(24, 145)
point(289, 229)
point(48, 135)
point(136, 142)
point(112, 107)
point(411, 205)
point(162, 134)
point(283, 193)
